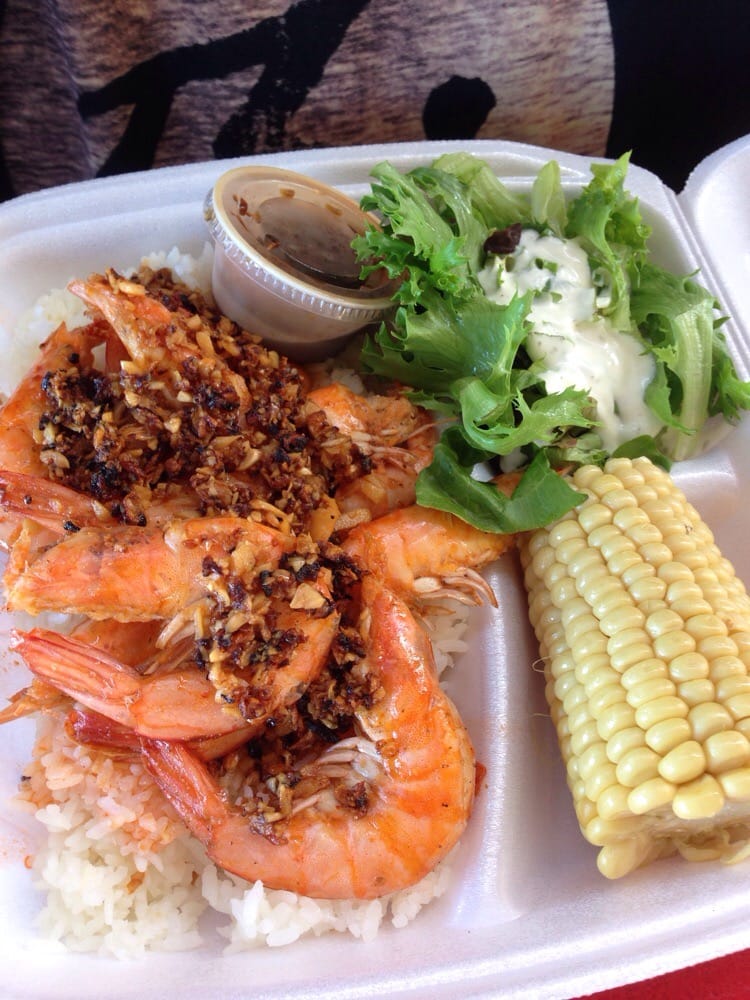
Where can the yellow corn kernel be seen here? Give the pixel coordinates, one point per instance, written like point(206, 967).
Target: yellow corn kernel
point(704, 626)
point(600, 831)
point(655, 553)
point(649, 591)
point(709, 718)
point(614, 719)
point(726, 751)
point(626, 559)
point(575, 697)
point(605, 697)
point(739, 706)
point(613, 803)
point(628, 648)
point(645, 633)
point(673, 644)
point(607, 539)
point(727, 666)
point(595, 516)
point(666, 707)
point(647, 670)
point(666, 735)
point(671, 571)
point(591, 680)
point(598, 674)
point(623, 616)
point(735, 784)
point(623, 741)
point(651, 795)
point(637, 766)
point(640, 694)
point(701, 798)
point(743, 645)
point(600, 781)
point(683, 763)
point(688, 667)
point(583, 737)
point(621, 856)
point(592, 759)
point(729, 687)
point(697, 691)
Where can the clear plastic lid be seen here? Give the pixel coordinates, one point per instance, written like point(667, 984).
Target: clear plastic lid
point(284, 259)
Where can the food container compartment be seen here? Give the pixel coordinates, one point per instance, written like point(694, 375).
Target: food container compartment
point(527, 913)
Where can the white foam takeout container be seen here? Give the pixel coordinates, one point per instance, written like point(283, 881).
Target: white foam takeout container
point(527, 914)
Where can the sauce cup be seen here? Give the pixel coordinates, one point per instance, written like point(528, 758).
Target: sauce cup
point(283, 263)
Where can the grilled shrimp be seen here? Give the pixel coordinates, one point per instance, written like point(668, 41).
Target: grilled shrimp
point(153, 335)
point(48, 502)
point(135, 574)
point(419, 552)
point(391, 801)
point(104, 734)
point(177, 704)
point(21, 445)
point(21, 439)
point(398, 436)
point(130, 642)
point(61, 509)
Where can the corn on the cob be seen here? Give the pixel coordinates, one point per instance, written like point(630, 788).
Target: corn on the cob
point(644, 630)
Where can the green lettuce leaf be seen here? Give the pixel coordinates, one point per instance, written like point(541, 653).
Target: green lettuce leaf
point(695, 378)
point(608, 223)
point(494, 204)
point(541, 496)
point(549, 209)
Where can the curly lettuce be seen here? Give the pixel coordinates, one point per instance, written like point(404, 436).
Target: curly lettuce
point(463, 355)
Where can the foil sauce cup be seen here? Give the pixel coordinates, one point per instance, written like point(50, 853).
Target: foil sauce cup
point(283, 264)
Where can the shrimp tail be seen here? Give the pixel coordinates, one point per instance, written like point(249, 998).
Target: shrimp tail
point(37, 697)
point(176, 705)
point(48, 503)
point(96, 731)
point(188, 786)
point(78, 670)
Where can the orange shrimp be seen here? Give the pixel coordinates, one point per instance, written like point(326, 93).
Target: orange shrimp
point(135, 574)
point(131, 642)
point(20, 437)
point(179, 704)
point(48, 503)
point(61, 509)
point(100, 733)
point(399, 437)
point(419, 552)
point(408, 776)
point(153, 335)
point(370, 421)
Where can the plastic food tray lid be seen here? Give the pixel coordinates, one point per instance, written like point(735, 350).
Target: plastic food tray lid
point(526, 913)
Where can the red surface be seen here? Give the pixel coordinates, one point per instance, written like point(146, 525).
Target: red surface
point(723, 979)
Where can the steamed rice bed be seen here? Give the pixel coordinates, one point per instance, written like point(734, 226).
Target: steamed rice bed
point(121, 873)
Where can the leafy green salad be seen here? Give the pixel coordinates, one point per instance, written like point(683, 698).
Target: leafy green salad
point(541, 331)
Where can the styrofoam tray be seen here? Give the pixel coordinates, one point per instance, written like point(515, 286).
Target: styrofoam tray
point(527, 914)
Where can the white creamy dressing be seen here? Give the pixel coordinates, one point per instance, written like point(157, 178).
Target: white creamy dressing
point(576, 345)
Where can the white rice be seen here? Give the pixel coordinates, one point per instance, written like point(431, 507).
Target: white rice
point(121, 873)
